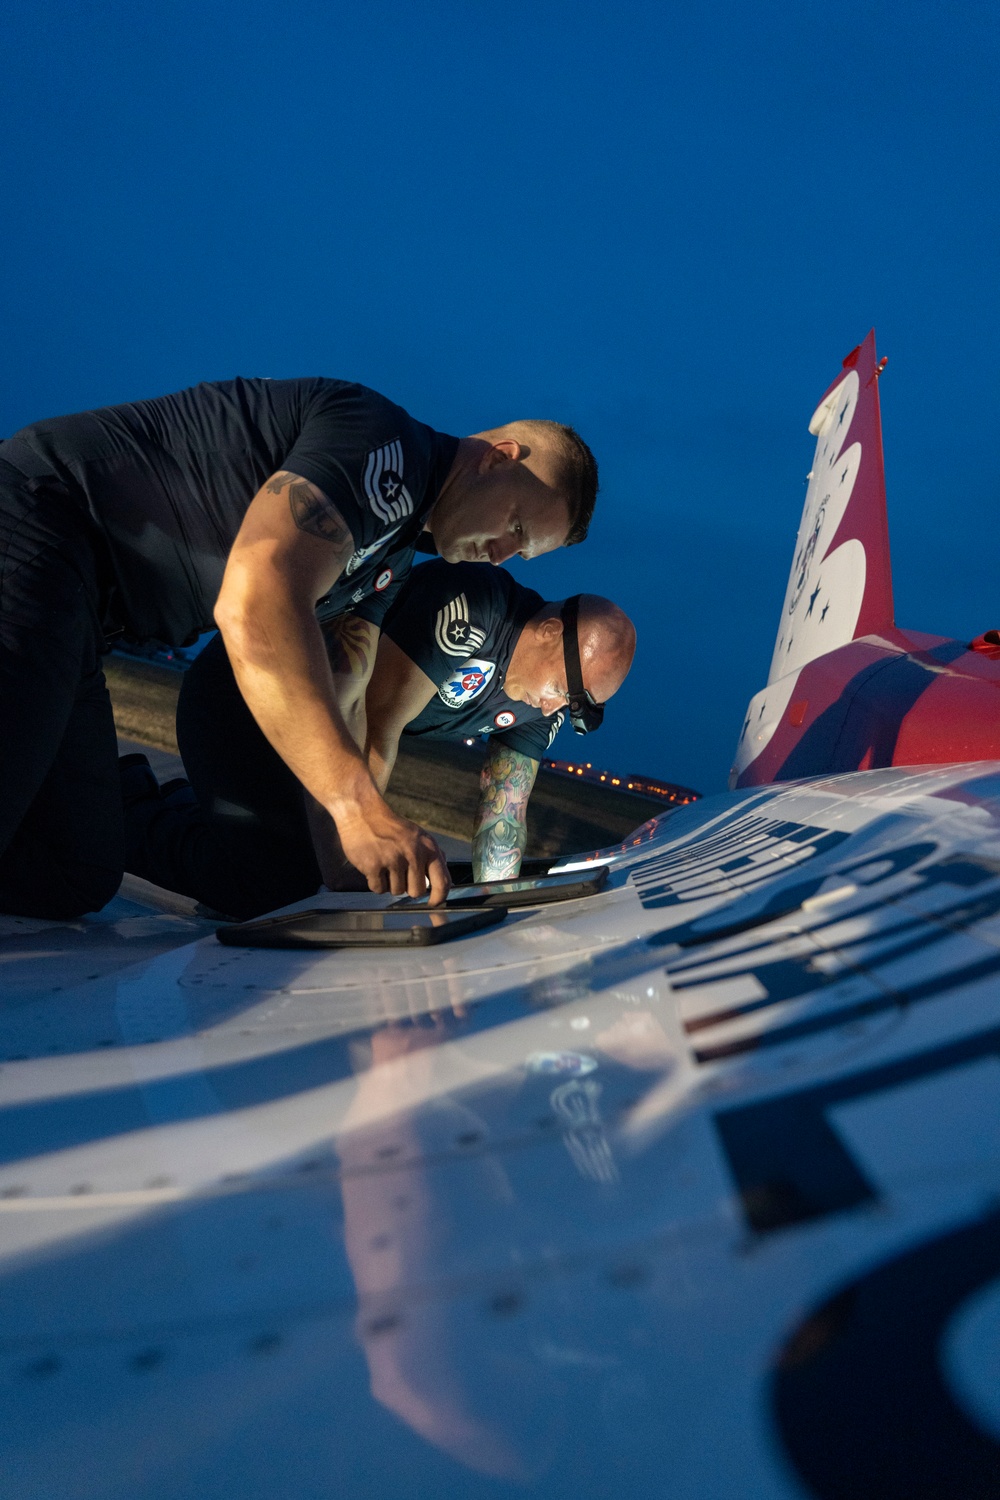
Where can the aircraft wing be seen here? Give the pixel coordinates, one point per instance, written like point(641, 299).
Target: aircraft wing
point(687, 1188)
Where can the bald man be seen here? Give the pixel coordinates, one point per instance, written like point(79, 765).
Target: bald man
point(469, 652)
point(239, 503)
point(465, 651)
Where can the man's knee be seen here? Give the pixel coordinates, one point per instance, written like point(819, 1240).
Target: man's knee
point(92, 888)
point(60, 892)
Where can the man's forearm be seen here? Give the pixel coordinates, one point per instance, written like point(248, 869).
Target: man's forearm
point(382, 752)
point(501, 832)
point(336, 871)
point(497, 849)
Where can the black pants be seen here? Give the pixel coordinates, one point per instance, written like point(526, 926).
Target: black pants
point(243, 847)
point(61, 828)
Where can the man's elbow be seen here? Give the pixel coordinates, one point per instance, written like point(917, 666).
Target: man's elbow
point(229, 613)
point(235, 620)
point(235, 602)
point(251, 634)
point(251, 613)
point(256, 579)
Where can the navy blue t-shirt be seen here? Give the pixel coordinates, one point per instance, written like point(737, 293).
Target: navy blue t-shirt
point(168, 482)
point(459, 623)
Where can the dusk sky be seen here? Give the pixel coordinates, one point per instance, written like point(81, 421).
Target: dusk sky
point(663, 223)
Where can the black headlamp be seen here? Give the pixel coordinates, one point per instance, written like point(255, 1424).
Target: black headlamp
point(584, 713)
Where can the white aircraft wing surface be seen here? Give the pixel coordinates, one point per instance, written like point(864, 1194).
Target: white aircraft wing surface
point(685, 1189)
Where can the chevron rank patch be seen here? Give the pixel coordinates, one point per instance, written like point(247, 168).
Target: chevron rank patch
point(454, 632)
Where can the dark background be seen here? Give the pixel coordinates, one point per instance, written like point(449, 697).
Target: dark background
point(664, 223)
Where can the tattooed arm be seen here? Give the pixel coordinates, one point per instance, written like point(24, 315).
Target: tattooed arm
point(292, 547)
point(351, 649)
point(500, 830)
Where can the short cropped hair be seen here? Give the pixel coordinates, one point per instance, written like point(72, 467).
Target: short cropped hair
point(578, 474)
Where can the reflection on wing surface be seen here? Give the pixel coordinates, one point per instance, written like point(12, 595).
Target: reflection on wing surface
point(542, 1211)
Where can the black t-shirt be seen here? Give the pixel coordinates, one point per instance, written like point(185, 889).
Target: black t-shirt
point(459, 623)
point(168, 481)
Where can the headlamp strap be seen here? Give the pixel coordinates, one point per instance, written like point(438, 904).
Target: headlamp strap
point(571, 647)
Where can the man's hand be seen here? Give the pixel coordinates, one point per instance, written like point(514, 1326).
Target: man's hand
point(341, 872)
point(392, 853)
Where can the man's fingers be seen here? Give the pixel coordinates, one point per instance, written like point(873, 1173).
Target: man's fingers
point(398, 873)
point(439, 877)
point(411, 866)
point(416, 880)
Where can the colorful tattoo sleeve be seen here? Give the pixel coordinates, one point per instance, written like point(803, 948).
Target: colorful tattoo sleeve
point(501, 830)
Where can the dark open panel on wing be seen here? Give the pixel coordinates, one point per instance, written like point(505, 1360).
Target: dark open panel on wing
point(568, 885)
point(330, 928)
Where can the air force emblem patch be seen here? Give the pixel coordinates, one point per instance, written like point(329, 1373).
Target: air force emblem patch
point(454, 632)
point(466, 682)
point(364, 553)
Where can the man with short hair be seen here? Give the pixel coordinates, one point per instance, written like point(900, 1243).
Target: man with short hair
point(465, 651)
point(246, 501)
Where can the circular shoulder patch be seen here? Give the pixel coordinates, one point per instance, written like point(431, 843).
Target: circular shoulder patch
point(505, 719)
point(383, 580)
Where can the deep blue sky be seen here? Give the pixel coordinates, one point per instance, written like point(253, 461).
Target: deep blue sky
point(664, 223)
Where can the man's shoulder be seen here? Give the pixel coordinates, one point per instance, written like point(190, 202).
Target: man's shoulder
point(463, 606)
point(365, 410)
point(347, 412)
point(481, 583)
point(381, 467)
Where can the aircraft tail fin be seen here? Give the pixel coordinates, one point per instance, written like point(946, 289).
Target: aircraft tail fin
point(840, 586)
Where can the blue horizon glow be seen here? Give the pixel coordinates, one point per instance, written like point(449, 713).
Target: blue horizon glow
point(666, 225)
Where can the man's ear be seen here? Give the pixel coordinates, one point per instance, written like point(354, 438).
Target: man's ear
point(506, 451)
point(551, 628)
